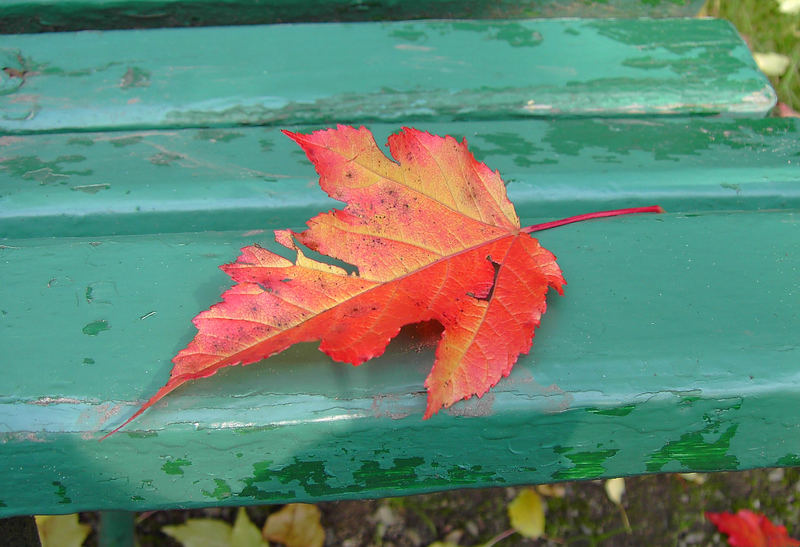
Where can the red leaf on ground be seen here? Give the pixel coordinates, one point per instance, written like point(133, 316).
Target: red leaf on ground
point(749, 529)
point(433, 237)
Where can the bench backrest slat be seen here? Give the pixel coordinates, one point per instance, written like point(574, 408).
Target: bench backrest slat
point(18, 16)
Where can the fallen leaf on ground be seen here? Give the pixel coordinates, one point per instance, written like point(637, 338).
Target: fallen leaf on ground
point(697, 478)
point(526, 513)
point(61, 530)
point(551, 490)
point(615, 488)
point(750, 529)
point(295, 525)
point(772, 64)
point(786, 111)
point(432, 237)
point(789, 7)
point(217, 533)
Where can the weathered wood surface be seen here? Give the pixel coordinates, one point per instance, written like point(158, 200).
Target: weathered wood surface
point(19, 16)
point(406, 72)
point(92, 184)
point(674, 347)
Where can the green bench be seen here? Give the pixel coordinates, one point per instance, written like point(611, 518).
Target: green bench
point(134, 162)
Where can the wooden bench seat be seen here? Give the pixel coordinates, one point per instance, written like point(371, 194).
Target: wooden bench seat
point(411, 72)
point(134, 162)
point(674, 347)
point(93, 184)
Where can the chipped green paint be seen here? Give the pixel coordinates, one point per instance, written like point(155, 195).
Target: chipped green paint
point(61, 492)
point(315, 479)
point(470, 474)
point(703, 64)
point(254, 429)
point(120, 142)
point(430, 79)
point(217, 135)
point(513, 33)
point(91, 188)
point(96, 327)
point(135, 77)
point(173, 467)
point(789, 460)
point(522, 149)
point(141, 434)
point(735, 187)
point(621, 138)
point(81, 141)
point(221, 492)
point(266, 144)
point(693, 451)
point(164, 158)
point(689, 400)
point(408, 33)
point(43, 172)
point(618, 411)
point(403, 471)
point(587, 465)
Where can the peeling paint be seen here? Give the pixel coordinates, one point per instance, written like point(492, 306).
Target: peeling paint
point(96, 327)
point(693, 451)
point(44, 401)
point(221, 492)
point(173, 466)
point(587, 465)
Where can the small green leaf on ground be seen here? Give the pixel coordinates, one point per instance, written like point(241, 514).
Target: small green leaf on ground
point(295, 525)
point(771, 63)
point(217, 533)
point(526, 513)
point(61, 530)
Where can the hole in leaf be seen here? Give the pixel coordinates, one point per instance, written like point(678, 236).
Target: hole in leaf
point(419, 336)
point(325, 259)
point(488, 296)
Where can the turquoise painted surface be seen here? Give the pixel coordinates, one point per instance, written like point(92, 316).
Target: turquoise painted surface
point(411, 72)
point(633, 370)
point(43, 15)
point(257, 179)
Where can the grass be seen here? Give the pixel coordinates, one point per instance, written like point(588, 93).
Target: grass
point(766, 29)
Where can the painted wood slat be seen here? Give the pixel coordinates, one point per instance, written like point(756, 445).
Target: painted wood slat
point(403, 72)
point(18, 16)
point(674, 348)
point(93, 184)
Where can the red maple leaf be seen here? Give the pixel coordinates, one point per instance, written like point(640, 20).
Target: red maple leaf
point(433, 237)
point(749, 529)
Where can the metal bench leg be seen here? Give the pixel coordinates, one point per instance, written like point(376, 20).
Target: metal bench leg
point(116, 529)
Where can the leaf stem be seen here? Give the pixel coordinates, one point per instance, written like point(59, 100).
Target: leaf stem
point(588, 216)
